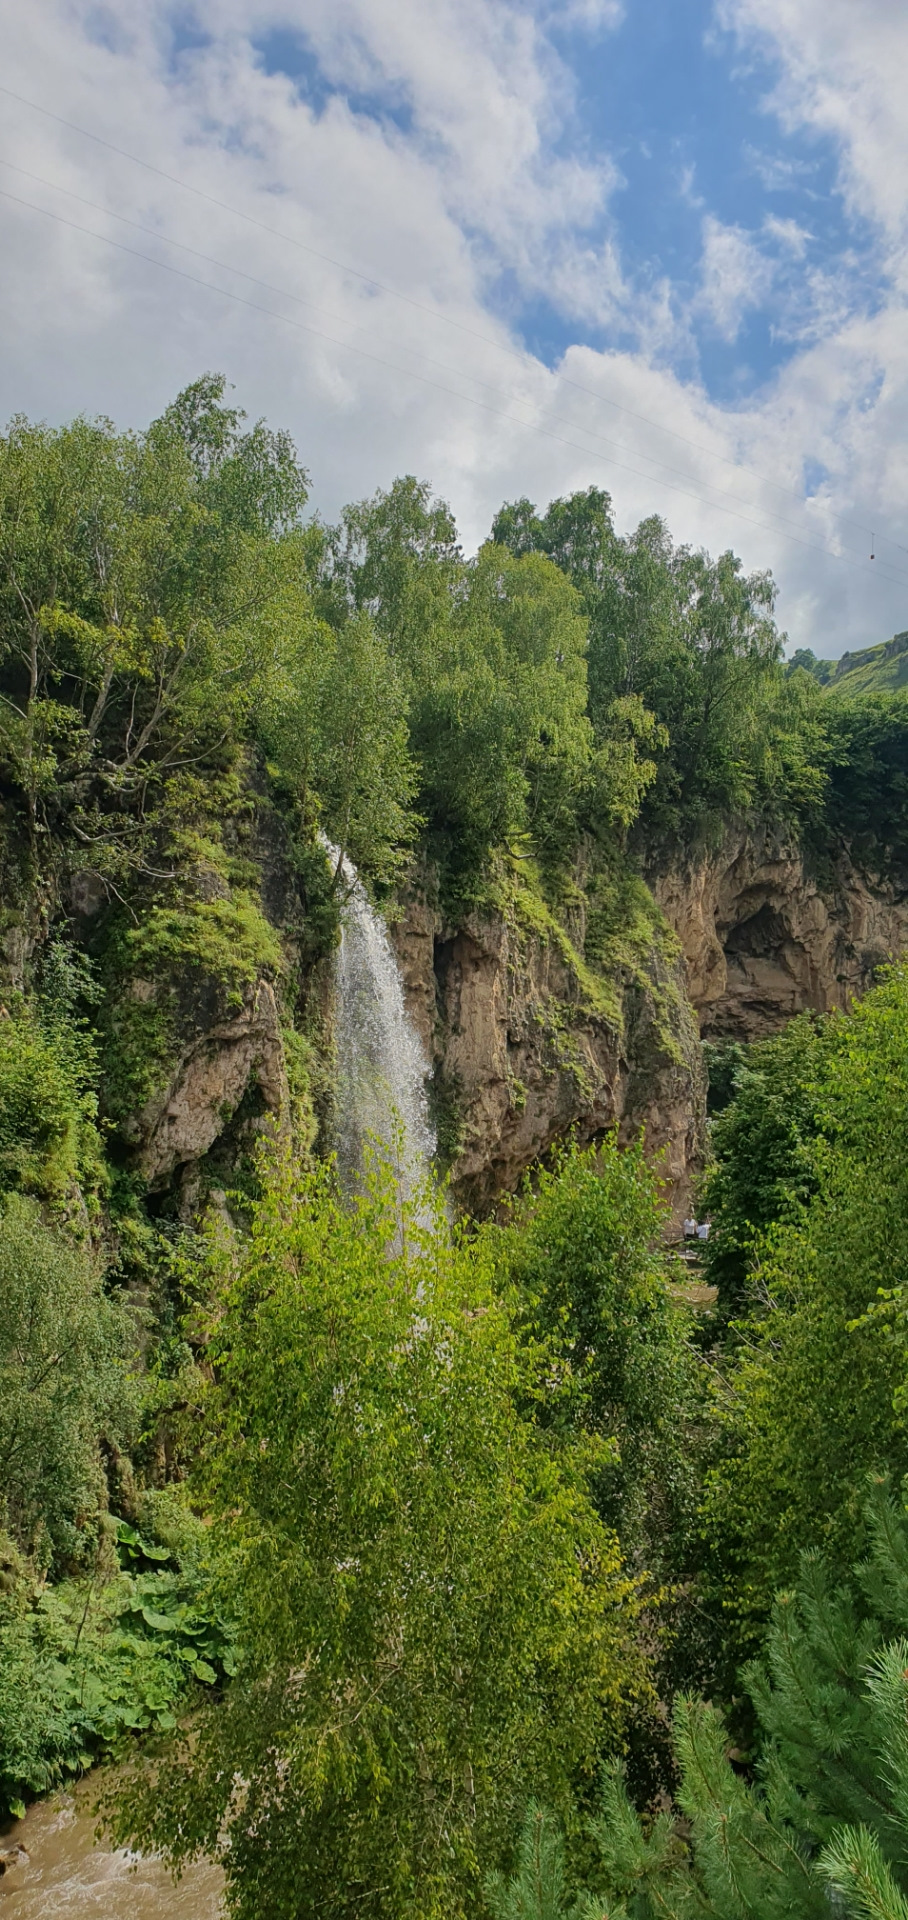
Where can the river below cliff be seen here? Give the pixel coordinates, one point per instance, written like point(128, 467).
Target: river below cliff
point(68, 1877)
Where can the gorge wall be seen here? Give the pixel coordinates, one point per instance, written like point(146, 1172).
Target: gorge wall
point(764, 938)
point(525, 1057)
point(526, 1042)
point(524, 1054)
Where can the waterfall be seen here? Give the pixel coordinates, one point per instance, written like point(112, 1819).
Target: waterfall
point(381, 1068)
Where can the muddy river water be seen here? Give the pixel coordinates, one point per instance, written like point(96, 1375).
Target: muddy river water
point(67, 1877)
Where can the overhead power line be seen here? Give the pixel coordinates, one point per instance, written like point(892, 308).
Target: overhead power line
point(424, 380)
point(420, 306)
point(226, 266)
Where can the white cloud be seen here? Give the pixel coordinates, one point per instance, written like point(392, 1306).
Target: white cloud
point(590, 16)
point(777, 172)
point(461, 192)
point(735, 276)
point(788, 233)
point(842, 72)
point(485, 91)
point(687, 186)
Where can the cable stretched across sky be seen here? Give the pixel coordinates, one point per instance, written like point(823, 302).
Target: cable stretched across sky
point(226, 266)
point(411, 373)
point(435, 313)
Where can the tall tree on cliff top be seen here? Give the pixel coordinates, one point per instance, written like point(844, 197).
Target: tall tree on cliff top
point(693, 638)
point(144, 581)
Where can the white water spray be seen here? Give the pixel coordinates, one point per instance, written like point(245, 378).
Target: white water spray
point(381, 1068)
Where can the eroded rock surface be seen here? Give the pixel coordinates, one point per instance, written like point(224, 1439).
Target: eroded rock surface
point(525, 1051)
point(763, 938)
point(211, 1078)
point(521, 1058)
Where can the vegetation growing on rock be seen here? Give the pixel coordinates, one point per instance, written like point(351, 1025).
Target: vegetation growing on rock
point(389, 1538)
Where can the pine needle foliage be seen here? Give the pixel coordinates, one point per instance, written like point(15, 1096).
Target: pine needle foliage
point(538, 1889)
point(824, 1825)
point(854, 1866)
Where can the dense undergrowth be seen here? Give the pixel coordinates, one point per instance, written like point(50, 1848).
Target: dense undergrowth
point(411, 1555)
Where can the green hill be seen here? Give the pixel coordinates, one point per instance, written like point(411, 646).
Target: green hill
point(879, 669)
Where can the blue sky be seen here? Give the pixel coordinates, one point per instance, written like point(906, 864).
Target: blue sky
point(670, 101)
point(659, 245)
point(682, 111)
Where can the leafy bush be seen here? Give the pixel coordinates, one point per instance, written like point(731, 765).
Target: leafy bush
point(50, 1144)
point(433, 1621)
point(582, 1253)
point(65, 1348)
point(763, 1143)
point(91, 1661)
point(868, 772)
point(812, 1396)
point(825, 1826)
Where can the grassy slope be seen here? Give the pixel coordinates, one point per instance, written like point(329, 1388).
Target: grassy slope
point(879, 669)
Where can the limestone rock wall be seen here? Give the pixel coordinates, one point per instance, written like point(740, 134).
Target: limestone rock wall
point(211, 1078)
point(521, 1059)
point(764, 938)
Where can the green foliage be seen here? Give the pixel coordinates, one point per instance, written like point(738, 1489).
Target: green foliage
point(49, 1140)
point(229, 941)
point(143, 581)
point(187, 954)
point(853, 1866)
point(253, 481)
point(582, 1256)
point(337, 735)
point(764, 1145)
point(627, 938)
point(433, 1622)
point(491, 656)
point(87, 1663)
point(396, 557)
point(538, 1888)
point(499, 714)
point(812, 1396)
point(50, 1143)
point(830, 1803)
point(64, 1345)
point(805, 660)
point(879, 669)
point(725, 1061)
point(694, 641)
point(868, 772)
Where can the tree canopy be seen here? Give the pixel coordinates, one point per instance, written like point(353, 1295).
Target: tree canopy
point(398, 1539)
point(433, 1620)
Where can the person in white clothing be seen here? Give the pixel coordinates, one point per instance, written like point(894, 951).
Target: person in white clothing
point(703, 1230)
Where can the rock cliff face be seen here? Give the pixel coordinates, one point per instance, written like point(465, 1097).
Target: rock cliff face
point(213, 1075)
point(526, 1044)
point(763, 939)
point(521, 1057)
point(522, 1053)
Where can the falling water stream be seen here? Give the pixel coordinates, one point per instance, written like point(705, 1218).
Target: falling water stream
point(381, 1068)
point(381, 1096)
